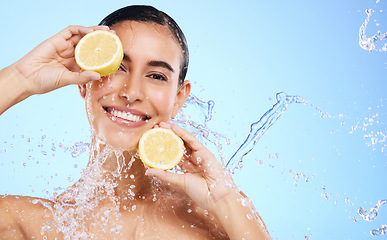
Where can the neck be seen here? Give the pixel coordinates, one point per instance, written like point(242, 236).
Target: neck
point(113, 175)
point(121, 171)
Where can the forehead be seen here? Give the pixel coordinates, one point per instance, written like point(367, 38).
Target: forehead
point(150, 39)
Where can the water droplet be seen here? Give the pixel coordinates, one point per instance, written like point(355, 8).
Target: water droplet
point(379, 231)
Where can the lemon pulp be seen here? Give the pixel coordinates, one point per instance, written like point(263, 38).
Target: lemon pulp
point(161, 148)
point(100, 51)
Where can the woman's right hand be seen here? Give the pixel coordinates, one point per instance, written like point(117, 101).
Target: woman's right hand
point(52, 65)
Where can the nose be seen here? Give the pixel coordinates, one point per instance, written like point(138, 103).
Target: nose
point(132, 90)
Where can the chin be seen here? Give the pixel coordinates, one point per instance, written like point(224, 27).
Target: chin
point(117, 140)
point(122, 143)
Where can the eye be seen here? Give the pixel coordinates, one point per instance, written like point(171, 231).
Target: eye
point(157, 76)
point(122, 68)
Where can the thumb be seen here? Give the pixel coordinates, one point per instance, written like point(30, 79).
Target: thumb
point(79, 77)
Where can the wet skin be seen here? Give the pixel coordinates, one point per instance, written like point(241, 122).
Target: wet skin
point(145, 86)
point(135, 202)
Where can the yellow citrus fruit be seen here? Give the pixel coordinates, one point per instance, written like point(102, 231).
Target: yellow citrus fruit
point(100, 51)
point(161, 148)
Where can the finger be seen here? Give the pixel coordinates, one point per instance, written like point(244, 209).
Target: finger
point(103, 27)
point(73, 30)
point(190, 167)
point(188, 138)
point(79, 78)
point(75, 33)
point(176, 180)
point(100, 27)
point(196, 159)
point(165, 125)
point(81, 30)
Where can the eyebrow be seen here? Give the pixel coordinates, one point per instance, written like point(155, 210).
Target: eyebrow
point(154, 63)
point(161, 64)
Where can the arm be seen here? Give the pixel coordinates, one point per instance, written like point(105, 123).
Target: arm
point(239, 217)
point(212, 188)
point(12, 90)
point(21, 218)
point(49, 66)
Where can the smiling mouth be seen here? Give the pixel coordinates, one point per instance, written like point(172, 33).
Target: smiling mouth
point(126, 115)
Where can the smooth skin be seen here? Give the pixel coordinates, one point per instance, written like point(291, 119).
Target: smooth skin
point(202, 203)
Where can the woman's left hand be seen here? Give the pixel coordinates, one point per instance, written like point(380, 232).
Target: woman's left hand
point(207, 183)
point(204, 180)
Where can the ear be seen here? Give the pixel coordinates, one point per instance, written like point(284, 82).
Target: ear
point(181, 97)
point(82, 90)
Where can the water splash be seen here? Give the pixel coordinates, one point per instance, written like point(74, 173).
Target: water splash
point(76, 149)
point(379, 231)
point(373, 213)
point(375, 138)
point(200, 129)
point(75, 207)
point(369, 44)
point(69, 215)
point(259, 128)
point(205, 107)
point(200, 113)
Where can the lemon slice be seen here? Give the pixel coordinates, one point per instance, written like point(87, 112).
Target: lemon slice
point(100, 51)
point(161, 148)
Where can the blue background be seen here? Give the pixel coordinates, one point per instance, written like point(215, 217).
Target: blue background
point(307, 175)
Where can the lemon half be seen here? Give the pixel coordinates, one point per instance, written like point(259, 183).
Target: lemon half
point(100, 51)
point(161, 148)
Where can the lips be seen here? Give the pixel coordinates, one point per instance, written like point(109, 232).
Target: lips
point(125, 116)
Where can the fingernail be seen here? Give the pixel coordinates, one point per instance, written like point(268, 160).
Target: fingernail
point(95, 77)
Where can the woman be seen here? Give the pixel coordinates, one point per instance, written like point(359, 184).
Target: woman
point(117, 197)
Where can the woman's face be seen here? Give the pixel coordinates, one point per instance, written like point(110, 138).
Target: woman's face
point(143, 92)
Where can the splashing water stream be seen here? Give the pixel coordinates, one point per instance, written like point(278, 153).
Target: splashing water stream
point(373, 213)
point(369, 44)
point(73, 207)
point(259, 128)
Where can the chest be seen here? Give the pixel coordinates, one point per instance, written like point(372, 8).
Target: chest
point(137, 223)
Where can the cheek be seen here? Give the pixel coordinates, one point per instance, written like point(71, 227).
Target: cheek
point(163, 102)
point(100, 90)
point(96, 91)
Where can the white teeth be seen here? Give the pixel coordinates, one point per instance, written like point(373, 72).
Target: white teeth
point(125, 115)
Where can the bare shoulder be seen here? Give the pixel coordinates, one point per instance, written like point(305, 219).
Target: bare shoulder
point(22, 217)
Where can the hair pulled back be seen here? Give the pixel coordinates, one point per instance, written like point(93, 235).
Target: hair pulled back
point(148, 14)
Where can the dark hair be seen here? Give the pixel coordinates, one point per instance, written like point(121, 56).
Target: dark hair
point(150, 14)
